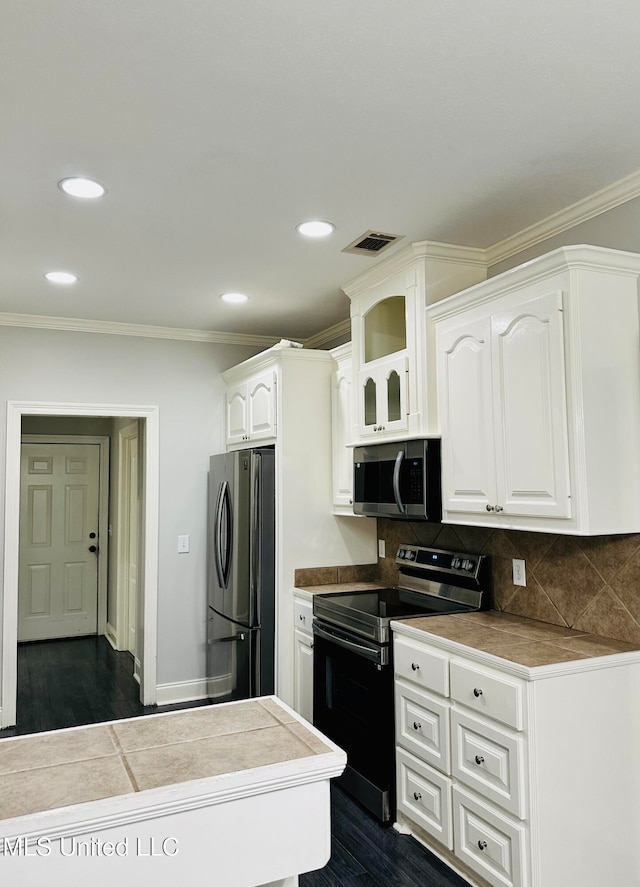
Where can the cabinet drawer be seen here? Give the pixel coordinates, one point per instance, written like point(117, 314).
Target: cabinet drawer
point(421, 666)
point(422, 725)
point(302, 615)
point(424, 795)
point(489, 760)
point(488, 842)
point(488, 693)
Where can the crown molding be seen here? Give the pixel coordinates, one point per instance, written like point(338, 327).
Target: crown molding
point(602, 201)
point(79, 325)
point(565, 258)
point(594, 205)
point(420, 251)
point(325, 336)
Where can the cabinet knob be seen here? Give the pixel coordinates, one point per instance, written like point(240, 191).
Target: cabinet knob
point(479, 759)
point(417, 796)
point(482, 844)
point(302, 618)
point(499, 508)
point(417, 725)
point(415, 666)
point(477, 692)
point(490, 507)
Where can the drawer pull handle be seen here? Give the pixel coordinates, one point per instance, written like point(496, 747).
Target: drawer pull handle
point(479, 759)
point(415, 666)
point(477, 692)
point(482, 844)
point(417, 725)
point(417, 796)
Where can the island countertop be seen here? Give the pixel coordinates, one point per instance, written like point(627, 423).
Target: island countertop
point(187, 773)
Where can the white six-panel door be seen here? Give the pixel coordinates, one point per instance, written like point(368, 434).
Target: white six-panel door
point(57, 593)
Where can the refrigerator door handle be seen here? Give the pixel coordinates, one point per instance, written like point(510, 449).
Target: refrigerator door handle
point(255, 578)
point(222, 535)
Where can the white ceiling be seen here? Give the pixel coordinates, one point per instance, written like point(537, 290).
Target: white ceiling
point(217, 125)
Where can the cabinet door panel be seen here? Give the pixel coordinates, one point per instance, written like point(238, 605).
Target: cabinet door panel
point(531, 426)
point(303, 674)
point(342, 434)
point(262, 407)
point(237, 407)
point(465, 404)
point(384, 398)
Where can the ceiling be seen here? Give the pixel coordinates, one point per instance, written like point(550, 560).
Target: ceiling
point(218, 126)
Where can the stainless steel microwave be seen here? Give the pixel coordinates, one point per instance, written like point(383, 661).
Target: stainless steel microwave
point(398, 480)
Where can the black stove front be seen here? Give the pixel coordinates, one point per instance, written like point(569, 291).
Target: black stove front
point(352, 661)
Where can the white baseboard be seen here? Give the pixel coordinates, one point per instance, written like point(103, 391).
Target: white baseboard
point(182, 691)
point(111, 636)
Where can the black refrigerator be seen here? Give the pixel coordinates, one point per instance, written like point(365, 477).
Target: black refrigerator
point(241, 575)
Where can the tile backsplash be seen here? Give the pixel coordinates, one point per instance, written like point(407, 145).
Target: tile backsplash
point(590, 583)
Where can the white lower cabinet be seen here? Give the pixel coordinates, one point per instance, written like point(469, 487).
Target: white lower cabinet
point(303, 655)
point(487, 841)
point(424, 794)
point(518, 776)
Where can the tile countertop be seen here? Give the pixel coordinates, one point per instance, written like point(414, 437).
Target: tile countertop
point(518, 640)
point(60, 769)
point(335, 587)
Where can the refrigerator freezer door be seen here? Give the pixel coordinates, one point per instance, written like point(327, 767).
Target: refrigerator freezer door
point(232, 652)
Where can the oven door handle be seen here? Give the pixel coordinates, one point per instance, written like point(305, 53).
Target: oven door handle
point(375, 655)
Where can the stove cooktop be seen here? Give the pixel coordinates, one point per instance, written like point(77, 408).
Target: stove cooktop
point(432, 583)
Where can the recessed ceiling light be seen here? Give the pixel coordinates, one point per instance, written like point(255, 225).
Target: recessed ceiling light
point(76, 186)
point(315, 228)
point(234, 298)
point(65, 277)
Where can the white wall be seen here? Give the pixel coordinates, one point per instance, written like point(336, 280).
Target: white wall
point(183, 380)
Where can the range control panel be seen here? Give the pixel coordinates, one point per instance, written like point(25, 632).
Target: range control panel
point(442, 561)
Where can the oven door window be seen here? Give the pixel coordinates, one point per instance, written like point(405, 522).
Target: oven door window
point(353, 706)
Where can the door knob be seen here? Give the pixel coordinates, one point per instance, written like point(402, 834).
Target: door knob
point(93, 548)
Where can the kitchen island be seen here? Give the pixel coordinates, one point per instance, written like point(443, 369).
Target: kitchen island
point(235, 794)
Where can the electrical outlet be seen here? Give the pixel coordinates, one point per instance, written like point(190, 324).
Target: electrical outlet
point(381, 548)
point(519, 572)
point(183, 545)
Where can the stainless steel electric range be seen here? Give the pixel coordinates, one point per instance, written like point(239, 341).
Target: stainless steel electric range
point(352, 660)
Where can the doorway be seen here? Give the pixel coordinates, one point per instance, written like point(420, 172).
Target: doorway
point(146, 579)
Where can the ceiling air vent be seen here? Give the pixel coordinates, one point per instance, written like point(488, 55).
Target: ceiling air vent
point(371, 243)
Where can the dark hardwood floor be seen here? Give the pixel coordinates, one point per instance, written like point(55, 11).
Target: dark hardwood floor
point(364, 854)
point(76, 681)
point(68, 683)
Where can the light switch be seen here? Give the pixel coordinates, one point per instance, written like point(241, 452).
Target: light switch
point(183, 545)
point(381, 548)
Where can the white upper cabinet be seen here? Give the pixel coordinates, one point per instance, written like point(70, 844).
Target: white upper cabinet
point(251, 408)
point(502, 385)
point(342, 430)
point(393, 367)
point(538, 395)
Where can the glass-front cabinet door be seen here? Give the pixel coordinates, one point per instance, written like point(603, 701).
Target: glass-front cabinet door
point(384, 396)
point(383, 384)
